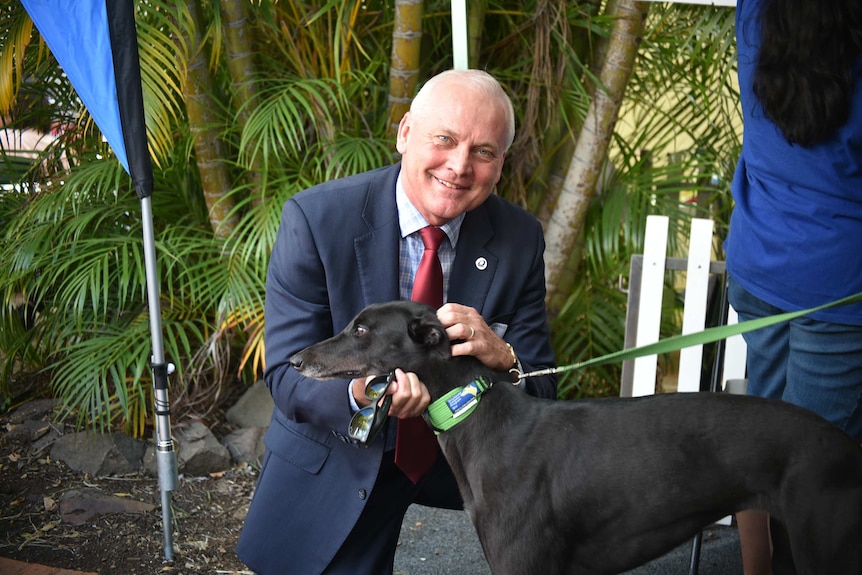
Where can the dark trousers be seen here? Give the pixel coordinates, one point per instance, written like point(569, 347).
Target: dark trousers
point(370, 547)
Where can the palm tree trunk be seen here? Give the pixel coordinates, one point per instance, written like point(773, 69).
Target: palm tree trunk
point(590, 155)
point(475, 24)
point(239, 53)
point(203, 124)
point(404, 64)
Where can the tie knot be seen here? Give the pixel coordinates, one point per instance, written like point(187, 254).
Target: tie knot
point(432, 237)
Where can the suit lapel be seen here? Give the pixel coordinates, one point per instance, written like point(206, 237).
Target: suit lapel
point(475, 265)
point(377, 251)
point(377, 260)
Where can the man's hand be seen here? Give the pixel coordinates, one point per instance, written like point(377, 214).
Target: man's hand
point(410, 397)
point(472, 336)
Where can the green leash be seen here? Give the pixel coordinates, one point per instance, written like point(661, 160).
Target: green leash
point(676, 342)
point(458, 404)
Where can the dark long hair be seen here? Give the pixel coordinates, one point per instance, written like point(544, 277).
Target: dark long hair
point(810, 56)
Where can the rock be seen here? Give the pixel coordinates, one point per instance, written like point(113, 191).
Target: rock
point(35, 410)
point(99, 454)
point(30, 421)
point(78, 506)
point(30, 429)
point(254, 408)
point(246, 445)
point(199, 452)
point(47, 440)
point(149, 463)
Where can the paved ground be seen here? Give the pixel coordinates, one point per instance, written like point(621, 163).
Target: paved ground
point(441, 542)
point(12, 567)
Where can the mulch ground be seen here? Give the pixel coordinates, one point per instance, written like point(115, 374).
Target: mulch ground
point(208, 516)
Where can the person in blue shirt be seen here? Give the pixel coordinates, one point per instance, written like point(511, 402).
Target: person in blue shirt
point(795, 238)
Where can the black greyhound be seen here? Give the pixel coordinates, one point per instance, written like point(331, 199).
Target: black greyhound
point(604, 485)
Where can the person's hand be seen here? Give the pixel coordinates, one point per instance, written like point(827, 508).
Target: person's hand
point(410, 397)
point(470, 335)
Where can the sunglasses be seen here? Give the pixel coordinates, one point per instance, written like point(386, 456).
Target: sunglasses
point(366, 424)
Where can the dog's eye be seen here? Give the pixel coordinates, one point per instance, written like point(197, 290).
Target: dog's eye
point(360, 330)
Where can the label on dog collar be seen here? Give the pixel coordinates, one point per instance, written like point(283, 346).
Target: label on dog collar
point(463, 400)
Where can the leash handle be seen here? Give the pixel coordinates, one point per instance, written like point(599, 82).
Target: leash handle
point(676, 342)
point(547, 371)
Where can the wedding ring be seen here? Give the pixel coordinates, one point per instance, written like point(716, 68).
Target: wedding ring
point(472, 332)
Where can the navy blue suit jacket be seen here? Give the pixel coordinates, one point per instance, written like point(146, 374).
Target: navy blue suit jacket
point(337, 252)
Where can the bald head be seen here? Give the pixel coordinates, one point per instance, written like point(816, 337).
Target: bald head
point(479, 80)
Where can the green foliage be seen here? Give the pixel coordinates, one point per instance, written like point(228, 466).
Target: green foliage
point(71, 243)
point(677, 142)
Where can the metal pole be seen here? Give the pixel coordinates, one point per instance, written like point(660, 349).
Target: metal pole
point(460, 38)
point(166, 457)
point(695, 554)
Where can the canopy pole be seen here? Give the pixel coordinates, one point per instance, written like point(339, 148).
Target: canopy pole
point(460, 49)
point(166, 457)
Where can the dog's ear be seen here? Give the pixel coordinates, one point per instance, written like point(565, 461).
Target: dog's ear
point(428, 334)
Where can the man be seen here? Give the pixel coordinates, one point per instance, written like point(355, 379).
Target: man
point(322, 505)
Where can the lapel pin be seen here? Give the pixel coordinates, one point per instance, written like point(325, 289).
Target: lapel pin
point(481, 264)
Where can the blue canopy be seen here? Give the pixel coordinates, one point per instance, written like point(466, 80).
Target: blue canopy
point(96, 44)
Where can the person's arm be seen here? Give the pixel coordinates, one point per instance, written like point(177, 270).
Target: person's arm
point(297, 314)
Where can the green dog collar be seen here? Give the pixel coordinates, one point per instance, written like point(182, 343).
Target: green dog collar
point(455, 406)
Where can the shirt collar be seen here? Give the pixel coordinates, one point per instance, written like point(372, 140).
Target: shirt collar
point(410, 220)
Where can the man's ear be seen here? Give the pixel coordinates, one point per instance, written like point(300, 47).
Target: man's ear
point(403, 130)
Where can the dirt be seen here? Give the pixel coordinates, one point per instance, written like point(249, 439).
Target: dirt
point(208, 516)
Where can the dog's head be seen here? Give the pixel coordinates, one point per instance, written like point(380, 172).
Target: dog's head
point(383, 337)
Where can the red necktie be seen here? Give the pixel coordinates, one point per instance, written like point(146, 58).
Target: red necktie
point(416, 446)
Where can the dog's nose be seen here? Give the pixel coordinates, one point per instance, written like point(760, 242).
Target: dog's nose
point(296, 361)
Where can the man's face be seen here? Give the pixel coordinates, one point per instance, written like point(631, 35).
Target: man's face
point(452, 154)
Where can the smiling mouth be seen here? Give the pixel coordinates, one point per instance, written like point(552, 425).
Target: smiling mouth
point(450, 185)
